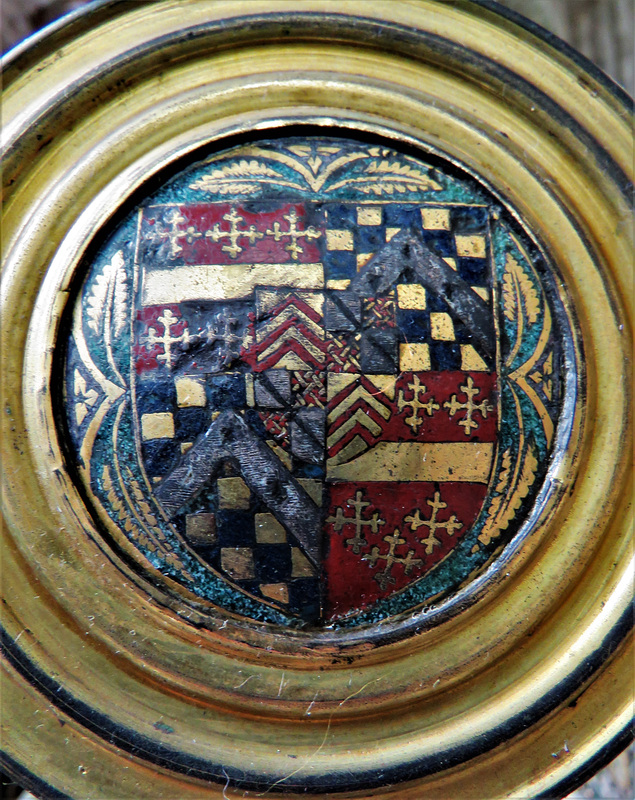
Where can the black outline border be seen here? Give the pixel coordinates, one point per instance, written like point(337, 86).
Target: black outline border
point(140, 746)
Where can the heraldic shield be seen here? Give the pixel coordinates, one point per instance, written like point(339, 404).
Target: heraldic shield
point(314, 341)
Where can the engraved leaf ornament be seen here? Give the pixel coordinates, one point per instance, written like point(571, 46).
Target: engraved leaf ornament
point(242, 177)
point(108, 298)
point(516, 284)
point(108, 305)
point(388, 177)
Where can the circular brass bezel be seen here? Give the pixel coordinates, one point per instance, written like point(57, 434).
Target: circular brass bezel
point(523, 687)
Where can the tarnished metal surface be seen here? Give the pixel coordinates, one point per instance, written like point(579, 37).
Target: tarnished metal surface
point(518, 679)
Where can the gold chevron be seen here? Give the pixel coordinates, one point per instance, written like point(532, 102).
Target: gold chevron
point(358, 417)
point(294, 335)
point(289, 313)
point(355, 447)
point(360, 393)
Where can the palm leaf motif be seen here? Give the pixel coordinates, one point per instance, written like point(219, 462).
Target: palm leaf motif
point(389, 177)
point(123, 515)
point(520, 301)
point(504, 505)
point(517, 285)
point(241, 177)
point(489, 529)
point(108, 305)
point(152, 539)
point(381, 173)
point(166, 551)
point(109, 289)
point(525, 482)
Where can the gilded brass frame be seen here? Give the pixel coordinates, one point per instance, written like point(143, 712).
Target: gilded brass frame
point(105, 681)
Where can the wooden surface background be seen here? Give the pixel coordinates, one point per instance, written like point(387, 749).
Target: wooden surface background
point(603, 31)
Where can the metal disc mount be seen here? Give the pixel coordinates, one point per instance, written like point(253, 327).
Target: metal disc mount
point(316, 404)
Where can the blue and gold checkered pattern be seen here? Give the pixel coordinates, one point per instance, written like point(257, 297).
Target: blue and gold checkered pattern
point(291, 340)
point(430, 336)
point(227, 525)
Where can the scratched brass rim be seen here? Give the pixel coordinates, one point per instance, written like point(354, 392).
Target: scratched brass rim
point(518, 691)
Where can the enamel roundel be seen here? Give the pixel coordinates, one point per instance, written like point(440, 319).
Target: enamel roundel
point(315, 380)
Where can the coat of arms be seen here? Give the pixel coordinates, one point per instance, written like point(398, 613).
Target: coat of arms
point(336, 372)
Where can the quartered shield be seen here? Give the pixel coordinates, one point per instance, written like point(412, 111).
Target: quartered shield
point(316, 404)
point(313, 373)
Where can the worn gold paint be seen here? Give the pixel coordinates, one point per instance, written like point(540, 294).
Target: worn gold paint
point(339, 240)
point(414, 357)
point(233, 493)
point(238, 562)
point(470, 246)
point(201, 528)
point(222, 281)
point(361, 392)
point(436, 218)
point(411, 295)
point(190, 392)
point(269, 530)
point(313, 488)
point(337, 381)
point(384, 383)
point(368, 215)
point(363, 259)
point(481, 291)
point(338, 284)
point(301, 567)
point(249, 390)
point(419, 461)
point(159, 425)
point(470, 359)
point(441, 326)
point(224, 688)
point(276, 591)
point(283, 455)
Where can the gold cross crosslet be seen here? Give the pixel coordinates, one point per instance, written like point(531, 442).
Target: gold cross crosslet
point(168, 320)
point(294, 233)
point(468, 423)
point(384, 578)
point(451, 526)
point(233, 234)
point(415, 404)
point(340, 520)
point(172, 233)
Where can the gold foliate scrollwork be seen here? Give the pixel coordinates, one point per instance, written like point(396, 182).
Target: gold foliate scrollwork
point(123, 515)
point(511, 491)
point(107, 308)
point(381, 174)
point(522, 305)
point(242, 177)
point(143, 507)
point(520, 301)
point(146, 539)
point(388, 177)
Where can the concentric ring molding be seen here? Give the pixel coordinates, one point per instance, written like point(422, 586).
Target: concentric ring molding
point(542, 658)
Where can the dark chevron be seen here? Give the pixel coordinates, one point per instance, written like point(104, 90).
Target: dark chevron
point(407, 259)
point(230, 438)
